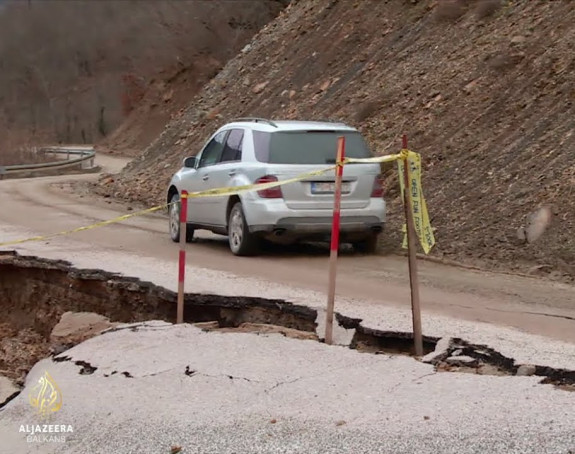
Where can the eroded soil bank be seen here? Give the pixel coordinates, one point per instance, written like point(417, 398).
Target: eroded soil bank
point(35, 292)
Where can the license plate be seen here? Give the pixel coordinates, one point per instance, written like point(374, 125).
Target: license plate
point(327, 187)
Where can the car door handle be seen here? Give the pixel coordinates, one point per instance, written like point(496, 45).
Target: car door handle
point(231, 173)
point(205, 177)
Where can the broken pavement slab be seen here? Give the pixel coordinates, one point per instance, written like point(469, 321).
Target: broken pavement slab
point(241, 381)
point(462, 361)
point(341, 335)
point(441, 351)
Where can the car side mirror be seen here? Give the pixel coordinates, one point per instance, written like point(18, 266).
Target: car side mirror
point(190, 162)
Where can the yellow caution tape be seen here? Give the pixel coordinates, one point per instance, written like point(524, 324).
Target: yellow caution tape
point(88, 227)
point(233, 190)
point(419, 207)
point(378, 159)
point(209, 193)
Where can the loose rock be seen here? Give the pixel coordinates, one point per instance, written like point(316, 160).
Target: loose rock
point(259, 87)
point(76, 327)
point(526, 370)
point(440, 353)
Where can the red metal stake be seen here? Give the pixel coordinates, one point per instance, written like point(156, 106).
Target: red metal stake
point(182, 256)
point(334, 240)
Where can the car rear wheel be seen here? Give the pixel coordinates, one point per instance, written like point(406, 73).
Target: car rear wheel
point(368, 245)
point(242, 242)
point(174, 215)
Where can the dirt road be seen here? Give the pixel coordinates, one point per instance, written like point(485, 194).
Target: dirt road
point(47, 205)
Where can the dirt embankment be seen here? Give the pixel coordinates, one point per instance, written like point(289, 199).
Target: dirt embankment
point(484, 89)
point(36, 292)
point(72, 72)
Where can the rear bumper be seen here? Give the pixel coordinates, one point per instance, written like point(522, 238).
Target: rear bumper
point(321, 225)
point(273, 216)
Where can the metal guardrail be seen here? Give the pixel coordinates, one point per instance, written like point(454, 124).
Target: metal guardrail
point(85, 154)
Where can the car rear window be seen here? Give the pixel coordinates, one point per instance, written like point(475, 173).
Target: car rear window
point(306, 147)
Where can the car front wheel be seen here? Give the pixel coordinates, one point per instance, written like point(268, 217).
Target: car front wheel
point(242, 242)
point(174, 214)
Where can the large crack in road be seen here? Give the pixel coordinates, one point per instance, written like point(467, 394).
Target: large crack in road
point(37, 291)
point(47, 205)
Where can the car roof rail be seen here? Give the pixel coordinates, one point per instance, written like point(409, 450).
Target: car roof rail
point(257, 120)
point(330, 120)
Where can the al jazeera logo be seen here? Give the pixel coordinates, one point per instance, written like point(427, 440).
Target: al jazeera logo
point(46, 398)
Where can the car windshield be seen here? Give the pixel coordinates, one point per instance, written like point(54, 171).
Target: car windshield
point(306, 147)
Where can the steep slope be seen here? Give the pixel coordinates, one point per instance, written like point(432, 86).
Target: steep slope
point(164, 96)
point(72, 71)
point(484, 89)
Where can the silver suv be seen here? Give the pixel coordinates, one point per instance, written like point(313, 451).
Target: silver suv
point(252, 150)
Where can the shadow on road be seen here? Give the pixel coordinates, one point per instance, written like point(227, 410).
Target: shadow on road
point(268, 249)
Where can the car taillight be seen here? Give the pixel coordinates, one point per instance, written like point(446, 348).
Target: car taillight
point(271, 193)
point(377, 191)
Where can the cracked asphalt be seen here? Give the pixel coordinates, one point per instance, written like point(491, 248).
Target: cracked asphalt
point(248, 393)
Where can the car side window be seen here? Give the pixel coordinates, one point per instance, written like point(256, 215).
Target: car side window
point(262, 145)
point(233, 147)
point(213, 150)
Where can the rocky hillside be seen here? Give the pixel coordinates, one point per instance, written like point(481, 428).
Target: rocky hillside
point(73, 71)
point(484, 90)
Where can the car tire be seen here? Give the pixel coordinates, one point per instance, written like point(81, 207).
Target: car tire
point(368, 245)
point(242, 242)
point(174, 216)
